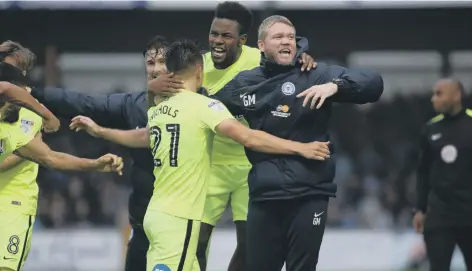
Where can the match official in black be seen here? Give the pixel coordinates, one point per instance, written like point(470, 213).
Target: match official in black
point(444, 182)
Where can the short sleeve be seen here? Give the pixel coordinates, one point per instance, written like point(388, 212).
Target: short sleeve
point(213, 113)
point(37, 126)
point(21, 138)
point(30, 123)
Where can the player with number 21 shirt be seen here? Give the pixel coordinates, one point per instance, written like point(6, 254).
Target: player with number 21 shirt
point(181, 132)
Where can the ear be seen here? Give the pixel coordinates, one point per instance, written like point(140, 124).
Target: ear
point(199, 71)
point(458, 96)
point(260, 44)
point(242, 39)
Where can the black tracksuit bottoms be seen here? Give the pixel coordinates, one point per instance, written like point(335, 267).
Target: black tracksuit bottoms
point(138, 247)
point(285, 231)
point(441, 242)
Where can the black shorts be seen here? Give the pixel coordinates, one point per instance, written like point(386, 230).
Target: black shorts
point(137, 249)
point(288, 231)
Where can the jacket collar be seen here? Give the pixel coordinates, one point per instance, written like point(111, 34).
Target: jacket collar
point(456, 116)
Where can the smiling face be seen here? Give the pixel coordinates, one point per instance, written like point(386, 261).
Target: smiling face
point(277, 42)
point(225, 42)
point(155, 63)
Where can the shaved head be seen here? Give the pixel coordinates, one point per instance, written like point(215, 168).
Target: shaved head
point(447, 95)
point(451, 84)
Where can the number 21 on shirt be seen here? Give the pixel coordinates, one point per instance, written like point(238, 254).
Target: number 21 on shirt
point(156, 137)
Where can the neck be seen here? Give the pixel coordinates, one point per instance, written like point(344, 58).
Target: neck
point(224, 65)
point(190, 85)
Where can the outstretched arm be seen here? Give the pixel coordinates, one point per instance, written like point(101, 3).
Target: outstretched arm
point(138, 138)
point(216, 117)
point(106, 110)
point(339, 84)
point(37, 151)
point(264, 142)
point(355, 85)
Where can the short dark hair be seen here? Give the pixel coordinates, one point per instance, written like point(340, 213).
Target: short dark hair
point(236, 12)
point(26, 59)
point(180, 55)
point(156, 43)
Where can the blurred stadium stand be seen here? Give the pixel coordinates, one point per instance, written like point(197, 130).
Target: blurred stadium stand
point(96, 47)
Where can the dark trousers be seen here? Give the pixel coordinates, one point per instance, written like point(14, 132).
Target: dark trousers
point(137, 249)
point(288, 231)
point(440, 244)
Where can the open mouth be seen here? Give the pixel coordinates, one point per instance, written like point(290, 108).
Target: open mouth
point(285, 52)
point(218, 52)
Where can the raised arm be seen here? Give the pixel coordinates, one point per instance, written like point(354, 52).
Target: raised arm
point(106, 110)
point(37, 151)
point(16, 95)
point(339, 84)
point(136, 138)
point(355, 85)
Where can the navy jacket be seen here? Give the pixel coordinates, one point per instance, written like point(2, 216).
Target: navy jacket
point(266, 97)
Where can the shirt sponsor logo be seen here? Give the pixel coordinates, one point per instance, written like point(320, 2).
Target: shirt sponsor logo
point(281, 111)
point(288, 88)
point(26, 125)
point(216, 105)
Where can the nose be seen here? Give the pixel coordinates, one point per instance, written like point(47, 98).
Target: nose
point(158, 69)
point(285, 40)
point(218, 39)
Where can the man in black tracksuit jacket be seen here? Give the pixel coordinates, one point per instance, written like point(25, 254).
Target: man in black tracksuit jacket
point(444, 182)
point(289, 194)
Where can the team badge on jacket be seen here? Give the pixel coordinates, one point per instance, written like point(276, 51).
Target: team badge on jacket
point(288, 88)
